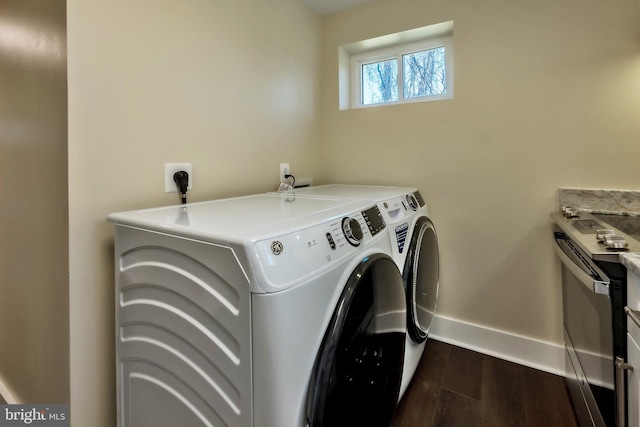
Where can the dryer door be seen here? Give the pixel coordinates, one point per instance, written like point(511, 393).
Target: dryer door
point(357, 373)
point(421, 278)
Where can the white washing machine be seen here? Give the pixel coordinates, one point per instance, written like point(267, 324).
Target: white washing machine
point(259, 311)
point(414, 248)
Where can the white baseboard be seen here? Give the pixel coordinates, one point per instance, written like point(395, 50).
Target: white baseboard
point(541, 355)
point(6, 394)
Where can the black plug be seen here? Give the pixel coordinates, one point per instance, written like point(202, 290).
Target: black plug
point(287, 176)
point(181, 178)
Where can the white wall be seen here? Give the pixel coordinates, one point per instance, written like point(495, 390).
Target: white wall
point(547, 94)
point(231, 86)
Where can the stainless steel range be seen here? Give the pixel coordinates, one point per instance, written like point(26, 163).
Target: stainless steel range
point(594, 296)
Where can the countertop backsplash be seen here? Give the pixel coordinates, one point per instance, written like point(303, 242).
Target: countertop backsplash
point(621, 202)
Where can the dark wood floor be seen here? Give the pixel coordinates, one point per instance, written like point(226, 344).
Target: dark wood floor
point(457, 387)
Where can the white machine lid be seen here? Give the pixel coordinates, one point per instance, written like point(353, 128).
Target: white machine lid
point(240, 219)
point(364, 192)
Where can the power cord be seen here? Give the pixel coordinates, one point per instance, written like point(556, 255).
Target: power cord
point(287, 176)
point(181, 178)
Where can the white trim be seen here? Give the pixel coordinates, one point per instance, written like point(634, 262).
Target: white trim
point(403, 37)
point(6, 393)
point(537, 354)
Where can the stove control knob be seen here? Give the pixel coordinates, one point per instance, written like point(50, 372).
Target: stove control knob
point(412, 202)
point(601, 233)
point(352, 231)
point(615, 242)
point(570, 212)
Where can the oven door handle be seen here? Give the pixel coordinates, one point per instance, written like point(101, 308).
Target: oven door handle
point(633, 315)
point(597, 284)
point(621, 405)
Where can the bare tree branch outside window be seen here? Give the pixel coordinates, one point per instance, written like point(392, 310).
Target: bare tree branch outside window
point(424, 74)
point(380, 82)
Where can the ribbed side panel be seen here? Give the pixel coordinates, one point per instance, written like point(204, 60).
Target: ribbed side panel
point(183, 343)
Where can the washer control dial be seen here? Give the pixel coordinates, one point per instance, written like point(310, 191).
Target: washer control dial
point(352, 231)
point(412, 202)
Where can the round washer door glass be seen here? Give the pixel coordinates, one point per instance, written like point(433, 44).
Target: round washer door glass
point(422, 279)
point(358, 369)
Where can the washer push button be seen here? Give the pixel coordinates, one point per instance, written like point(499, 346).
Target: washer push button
point(332, 243)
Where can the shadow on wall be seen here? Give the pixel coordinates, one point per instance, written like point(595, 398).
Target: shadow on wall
point(33, 147)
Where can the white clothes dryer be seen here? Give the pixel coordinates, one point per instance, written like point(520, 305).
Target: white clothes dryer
point(414, 248)
point(258, 311)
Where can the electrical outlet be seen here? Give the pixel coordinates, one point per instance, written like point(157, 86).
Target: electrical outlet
point(170, 169)
point(284, 170)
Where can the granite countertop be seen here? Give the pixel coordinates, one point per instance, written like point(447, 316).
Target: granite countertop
point(620, 202)
point(631, 261)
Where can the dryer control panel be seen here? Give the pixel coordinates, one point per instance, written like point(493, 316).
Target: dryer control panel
point(396, 209)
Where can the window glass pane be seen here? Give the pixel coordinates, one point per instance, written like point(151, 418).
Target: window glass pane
point(425, 73)
point(380, 82)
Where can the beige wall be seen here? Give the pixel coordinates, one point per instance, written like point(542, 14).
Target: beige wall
point(230, 86)
point(159, 81)
point(547, 94)
point(34, 291)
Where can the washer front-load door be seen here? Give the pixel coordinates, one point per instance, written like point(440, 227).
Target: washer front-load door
point(358, 370)
point(421, 277)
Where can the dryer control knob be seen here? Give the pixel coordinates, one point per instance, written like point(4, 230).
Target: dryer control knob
point(412, 202)
point(352, 231)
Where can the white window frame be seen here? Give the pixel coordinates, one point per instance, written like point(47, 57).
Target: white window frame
point(397, 52)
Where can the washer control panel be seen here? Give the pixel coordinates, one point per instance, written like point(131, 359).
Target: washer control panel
point(291, 257)
point(352, 231)
point(374, 220)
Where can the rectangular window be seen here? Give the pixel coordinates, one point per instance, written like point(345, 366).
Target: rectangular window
point(418, 71)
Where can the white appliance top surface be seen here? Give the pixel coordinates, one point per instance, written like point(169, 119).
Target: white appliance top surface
point(364, 192)
point(242, 218)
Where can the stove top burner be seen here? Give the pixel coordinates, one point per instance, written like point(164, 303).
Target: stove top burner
point(586, 226)
point(629, 225)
